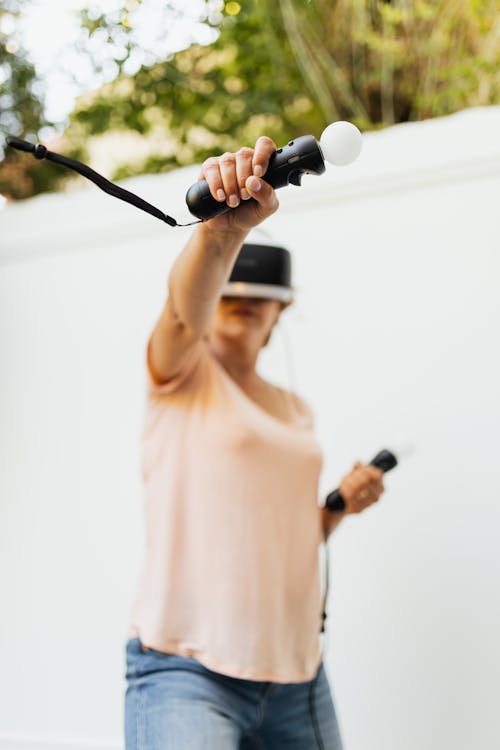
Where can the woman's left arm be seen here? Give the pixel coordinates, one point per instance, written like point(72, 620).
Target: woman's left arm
point(360, 488)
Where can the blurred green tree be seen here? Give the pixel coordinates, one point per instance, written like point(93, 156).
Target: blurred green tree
point(21, 108)
point(290, 67)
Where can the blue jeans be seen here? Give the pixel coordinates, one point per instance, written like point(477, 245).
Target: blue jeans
point(175, 703)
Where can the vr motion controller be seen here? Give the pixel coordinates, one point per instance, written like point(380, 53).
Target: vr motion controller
point(340, 144)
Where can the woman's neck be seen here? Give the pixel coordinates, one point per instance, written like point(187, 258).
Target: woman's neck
point(239, 362)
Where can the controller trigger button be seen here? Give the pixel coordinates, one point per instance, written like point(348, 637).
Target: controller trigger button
point(295, 178)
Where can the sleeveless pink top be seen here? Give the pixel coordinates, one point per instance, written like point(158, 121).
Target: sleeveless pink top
point(230, 575)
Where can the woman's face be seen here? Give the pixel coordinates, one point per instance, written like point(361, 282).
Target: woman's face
point(246, 318)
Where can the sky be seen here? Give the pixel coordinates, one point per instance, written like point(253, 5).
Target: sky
point(50, 31)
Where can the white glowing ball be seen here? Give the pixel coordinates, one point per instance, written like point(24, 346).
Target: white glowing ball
point(341, 143)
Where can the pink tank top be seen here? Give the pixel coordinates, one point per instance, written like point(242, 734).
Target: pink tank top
point(230, 574)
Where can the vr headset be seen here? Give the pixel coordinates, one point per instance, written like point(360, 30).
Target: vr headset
point(261, 270)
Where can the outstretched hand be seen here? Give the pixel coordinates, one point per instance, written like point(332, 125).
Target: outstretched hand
point(234, 178)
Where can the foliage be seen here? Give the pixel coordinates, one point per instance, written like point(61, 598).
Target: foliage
point(21, 109)
point(290, 67)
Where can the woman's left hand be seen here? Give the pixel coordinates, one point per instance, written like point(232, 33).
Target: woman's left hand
point(361, 487)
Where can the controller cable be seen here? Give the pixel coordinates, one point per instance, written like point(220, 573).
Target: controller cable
point(290, 366)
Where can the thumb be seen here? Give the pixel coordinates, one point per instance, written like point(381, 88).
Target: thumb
point(262, 192)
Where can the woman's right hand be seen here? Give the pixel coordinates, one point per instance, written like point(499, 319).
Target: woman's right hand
point(234, 178)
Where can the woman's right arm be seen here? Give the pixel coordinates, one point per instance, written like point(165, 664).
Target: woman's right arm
point(200, 272)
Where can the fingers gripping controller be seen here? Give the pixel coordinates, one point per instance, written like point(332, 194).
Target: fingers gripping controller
point(340, 144)
point(384, 460)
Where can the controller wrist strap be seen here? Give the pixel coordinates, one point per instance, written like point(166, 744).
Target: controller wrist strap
point(41, 152)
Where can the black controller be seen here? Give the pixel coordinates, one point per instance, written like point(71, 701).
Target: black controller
point(287, 165)
point(384, 460)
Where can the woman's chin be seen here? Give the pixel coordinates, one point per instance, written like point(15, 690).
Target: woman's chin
point(238, 332)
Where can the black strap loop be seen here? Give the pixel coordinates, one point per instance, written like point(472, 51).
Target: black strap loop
point(41, 152)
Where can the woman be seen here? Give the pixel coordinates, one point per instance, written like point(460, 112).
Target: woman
point(224, 646)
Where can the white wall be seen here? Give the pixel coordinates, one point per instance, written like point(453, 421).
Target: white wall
point(395, 336)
